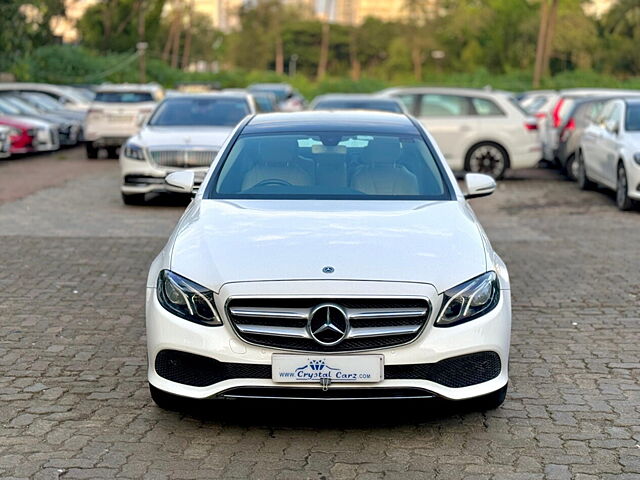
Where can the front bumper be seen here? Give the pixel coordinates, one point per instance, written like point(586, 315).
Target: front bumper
point(139, 176)
point(407, 367)
point(633, 180)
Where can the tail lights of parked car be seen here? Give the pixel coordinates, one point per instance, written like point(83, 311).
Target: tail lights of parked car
point(569, 127)
point(557, 119)
point(531, 125)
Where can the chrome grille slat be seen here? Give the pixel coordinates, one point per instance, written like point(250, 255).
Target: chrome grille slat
point(372, 322)
point(356, 313)
point(274, 330)
point(271, 312)
point(369, 332)
point(183, 158)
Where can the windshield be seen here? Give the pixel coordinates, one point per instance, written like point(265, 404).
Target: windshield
point(123, 97)
point(43, 101)
point(226, 112)
point(281, 93)
point(8, 108)
point(381, 105)
point(329, 165)
point(632, 121)
point(21, 105)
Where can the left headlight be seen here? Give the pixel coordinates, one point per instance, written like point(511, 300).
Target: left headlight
point(469, 300)
point(131, 150)
point(187, 299)
point(636, 157)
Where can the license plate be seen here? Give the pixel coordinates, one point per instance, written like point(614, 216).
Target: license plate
point(120, 118)
point(316, 368)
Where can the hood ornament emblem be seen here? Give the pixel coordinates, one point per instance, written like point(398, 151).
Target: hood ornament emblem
point(328, 269)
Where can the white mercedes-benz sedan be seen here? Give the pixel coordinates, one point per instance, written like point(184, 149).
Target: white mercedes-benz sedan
point(329, 255)
point(184, 132)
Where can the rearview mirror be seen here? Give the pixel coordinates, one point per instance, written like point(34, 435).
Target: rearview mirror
point(479, 185)
point(181, 182)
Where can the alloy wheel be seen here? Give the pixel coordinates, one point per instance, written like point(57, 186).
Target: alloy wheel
point(488, 159)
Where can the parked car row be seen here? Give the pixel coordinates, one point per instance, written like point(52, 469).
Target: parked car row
point(40, 117)
point(593, 135)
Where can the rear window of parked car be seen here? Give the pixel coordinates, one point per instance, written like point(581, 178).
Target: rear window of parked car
point(381, 105)
point(124, 97)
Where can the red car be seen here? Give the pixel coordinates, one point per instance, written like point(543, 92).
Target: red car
point(22, 135)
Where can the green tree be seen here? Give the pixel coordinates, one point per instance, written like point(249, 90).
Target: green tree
point(112, 25)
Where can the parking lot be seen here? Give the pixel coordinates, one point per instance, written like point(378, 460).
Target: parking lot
point(74, 401)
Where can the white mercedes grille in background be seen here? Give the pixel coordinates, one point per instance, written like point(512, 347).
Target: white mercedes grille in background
point(182, 158)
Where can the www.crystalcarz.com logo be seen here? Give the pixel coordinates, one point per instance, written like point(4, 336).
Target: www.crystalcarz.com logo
point(318, 369)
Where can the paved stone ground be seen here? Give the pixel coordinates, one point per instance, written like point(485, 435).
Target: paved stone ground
point(73, 395)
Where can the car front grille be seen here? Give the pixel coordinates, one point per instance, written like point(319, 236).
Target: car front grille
point(372, 323)
point(183, 158)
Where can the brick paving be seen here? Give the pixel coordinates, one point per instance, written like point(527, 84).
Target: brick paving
point(73, 394)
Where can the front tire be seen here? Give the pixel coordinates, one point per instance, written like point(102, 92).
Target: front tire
point(571, 168)
point(133, 198)
point(166, 400)
point(92, 152)
point(488, 158)
point(583, 180)
point(112, 152)
point(622, 190)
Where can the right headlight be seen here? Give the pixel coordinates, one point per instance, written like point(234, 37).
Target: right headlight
point(187, 299)
point(469, 300)
point(636, 157)
point(133, 151)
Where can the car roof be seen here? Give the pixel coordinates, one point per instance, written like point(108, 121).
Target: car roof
point(445, 90)
point(128, 87)
point(354, 96)
point(233, 95)
point(341, 120)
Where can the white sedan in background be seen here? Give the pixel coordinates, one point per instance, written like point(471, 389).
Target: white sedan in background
point(478, 131)
point(609, 152)
point(185, 132)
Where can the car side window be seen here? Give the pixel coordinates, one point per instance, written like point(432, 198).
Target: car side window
point(486, 107)
point(409, 100)
point(616, 114)
point(436, 105)
point(604, 113)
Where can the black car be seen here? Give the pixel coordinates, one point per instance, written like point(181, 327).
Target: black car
point(582, 113)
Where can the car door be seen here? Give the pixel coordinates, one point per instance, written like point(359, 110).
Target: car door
point(609, 144)
point(451, 121)
point(592, 151)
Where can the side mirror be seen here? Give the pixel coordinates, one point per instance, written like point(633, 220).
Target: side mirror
point(611, 126)
point(479, 185)
point(181, 182)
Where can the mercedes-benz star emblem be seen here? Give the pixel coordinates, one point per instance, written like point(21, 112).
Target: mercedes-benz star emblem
point(328, 269)
point(328, 324)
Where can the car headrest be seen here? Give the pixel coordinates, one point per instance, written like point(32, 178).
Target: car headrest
point(383, 151)
point(277, 151)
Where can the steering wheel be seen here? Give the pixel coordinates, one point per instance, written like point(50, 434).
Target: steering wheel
point(274, 182)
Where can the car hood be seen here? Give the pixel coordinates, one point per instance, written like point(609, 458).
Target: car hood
point(436, 242)
point(29, 122)
point(182, 136)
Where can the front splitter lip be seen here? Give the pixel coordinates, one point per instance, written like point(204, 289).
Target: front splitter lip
point(431, 389)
